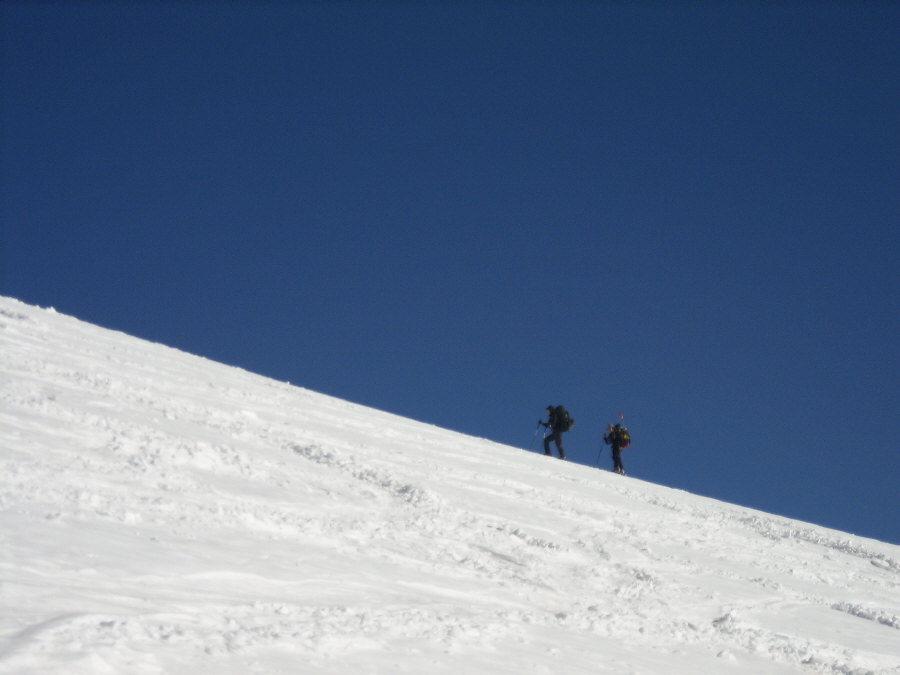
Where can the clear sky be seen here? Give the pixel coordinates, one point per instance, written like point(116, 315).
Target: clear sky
point(463, 211)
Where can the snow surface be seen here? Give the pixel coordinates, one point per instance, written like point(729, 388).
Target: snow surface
point(162, 513)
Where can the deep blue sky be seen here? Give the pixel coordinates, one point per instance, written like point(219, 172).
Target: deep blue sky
point(463, 211)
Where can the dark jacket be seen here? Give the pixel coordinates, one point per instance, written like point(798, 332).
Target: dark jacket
point(556, 422)
point(613, 438)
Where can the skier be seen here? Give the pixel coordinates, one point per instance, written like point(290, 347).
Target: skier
point(557, 422)
point(618, 437)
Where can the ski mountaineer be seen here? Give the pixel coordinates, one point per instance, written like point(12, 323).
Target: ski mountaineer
point(614, 438)
point(557, 424)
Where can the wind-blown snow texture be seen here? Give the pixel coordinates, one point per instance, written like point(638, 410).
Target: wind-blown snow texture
point(162, 513)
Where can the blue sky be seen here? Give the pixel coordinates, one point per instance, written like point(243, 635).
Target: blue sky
point(461, 212)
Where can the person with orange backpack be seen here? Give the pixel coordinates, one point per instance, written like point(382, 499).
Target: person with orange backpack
point(618, 438)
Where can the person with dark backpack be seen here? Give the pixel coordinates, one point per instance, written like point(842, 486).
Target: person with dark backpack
point(618, 438)
point(558, 421)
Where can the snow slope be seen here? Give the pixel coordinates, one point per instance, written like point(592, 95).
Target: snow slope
point(162, 513)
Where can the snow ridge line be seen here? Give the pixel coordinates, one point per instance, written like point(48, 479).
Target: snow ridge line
point(773, 529)
point(405, 492)
point(12, 314)
point(417, 496)
point(498, 550)
point(890, 620)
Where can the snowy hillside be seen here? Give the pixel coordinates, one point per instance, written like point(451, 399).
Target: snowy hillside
point(162, 513)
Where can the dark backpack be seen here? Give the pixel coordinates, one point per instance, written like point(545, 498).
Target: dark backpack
point(623, 437)
point(563, 420)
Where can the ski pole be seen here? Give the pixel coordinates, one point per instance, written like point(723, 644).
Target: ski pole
point(537, 428)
